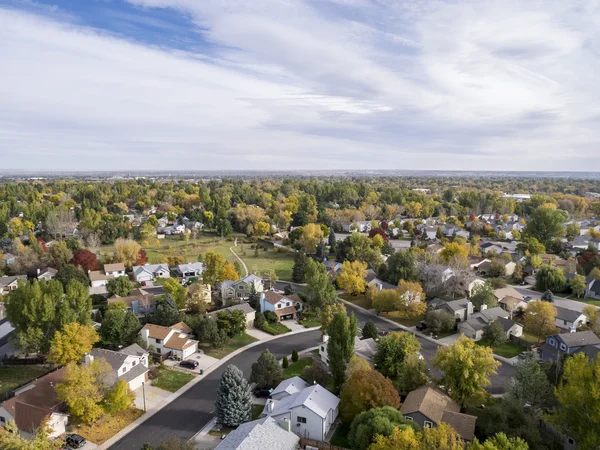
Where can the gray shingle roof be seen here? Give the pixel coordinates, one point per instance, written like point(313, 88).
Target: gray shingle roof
point(569, 315)
point(261, 434)
point(579, 338)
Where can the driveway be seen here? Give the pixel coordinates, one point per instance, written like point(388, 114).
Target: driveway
point(293, 325)
point(154, 396)
point(204, 362)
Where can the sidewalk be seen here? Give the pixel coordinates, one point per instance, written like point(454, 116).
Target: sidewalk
point(188, 386)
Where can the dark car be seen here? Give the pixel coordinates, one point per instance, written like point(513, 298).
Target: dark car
point(75, 441)
point(422, 325)
point(262, 392)
point(188, 364)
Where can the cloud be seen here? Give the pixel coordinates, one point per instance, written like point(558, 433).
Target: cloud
point(308, 84)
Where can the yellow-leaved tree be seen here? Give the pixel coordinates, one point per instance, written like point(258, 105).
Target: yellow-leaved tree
point(70, 344)
point(127, 251)
point(540, 318)
point(442, 437)
point(261, 228)
point(228, 272)
point(352, 277)
point(312, 235)
point(10, 439)
point(119, 397)
point(327, 314)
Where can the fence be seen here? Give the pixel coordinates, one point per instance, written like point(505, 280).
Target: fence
point(521, 341)
point(318, 444)
point(22, 361)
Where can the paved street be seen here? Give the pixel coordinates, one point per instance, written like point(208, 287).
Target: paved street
point(558, 301)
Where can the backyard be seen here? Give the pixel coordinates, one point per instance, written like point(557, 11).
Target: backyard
point(171, 380)
point(234, 344)
point(295, 369)
point(358, 300)
point(506, 349)
point(340, 436)
point(12, 377)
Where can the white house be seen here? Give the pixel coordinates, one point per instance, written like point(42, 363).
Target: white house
point(254, 435)
point(99, 278)
point(46, 274)
point(284, 306)
point(193, 269)
point(568, 319)
point(475, 324)
point(311, 410)
point(114, 270)
point(150, 272)
point(240, 289)
point(8, 284)
point(34, 403)
point(129, 364)
point(174, 340)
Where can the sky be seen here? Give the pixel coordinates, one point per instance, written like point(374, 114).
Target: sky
point(300, 84)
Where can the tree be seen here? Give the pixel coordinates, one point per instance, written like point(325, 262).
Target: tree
point(331, 241)
point(439, 321)
point(261, 228)
point(518, 273)
point(550, 278)
point(315, 374)
point(401, 266)
point(72, 343)
point(499, 442)
point(207, 330)
point(387, 300)
point(392, 351)
point(233, 405)
point(352, 277)
point(59, 254)
point(340, 346)
point(320, 291)
point(266, 371)
point(579, 398)
point(593, 318)
point(453, 252)
point(358, 247)
point(466, 367)
point(253, 297)
point(285, 363)
point(228, 272)
point(11, 439)
point(178, 293)
point(370, 330)
point(85, 259)
point(540, 318)
point(82, 389)
point(483, 294)
point(311, 236)
point(69, 272)
point(545, 225)
point(198, 297)
point(299, 270)
point(126, 251)
point(119, 327)
point(530, 385)
point(493, 333)
point(595, 273)
point(578, 285)
point(364, 390)
point(379, 421)
point(355, 364)
point(412, 374)
point(119, 397)
point(294, 355)
point(442, 437)
point(497, 268)
point(213, 267)
point(121, 286)
point(405, 439)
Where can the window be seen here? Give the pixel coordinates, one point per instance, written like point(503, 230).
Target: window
point(124, 369)
point(301, 419)
point(571, 441)
point(409, 418)
point(158, 350)
point(322, 348)
point(428, 424)
point(552, 342)
point(2, 419)
point(565, 322)
point(563, 347)
point(134, 363)
point(158, 341)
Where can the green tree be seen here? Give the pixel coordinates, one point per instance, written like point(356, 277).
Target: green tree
point(518, 273)
point(320, 291)
point(499, 442)
point(369, 330)
point(579, 398)
point(483, 294)
point(119, 327)
point(376, 422)
point(530, 385)
point(59, 254)
point(331, 240)
point(233, 324)
point(578, 285)
point(120, 286)
point(393, 350)
point(266, 371)
point(494, 334)
point(294, 355)
point(233, 405)
point(402, 265)
point(285, 363)
point(340, 346)
point(166, 312)
point(69, 272)
point(119, 397)
point(466, 367)
point(439, 321)
point(72, 343)
point(550, 278)
point(546, 225)
point(178, 292)
point(412, 375)
point(540, 318)
point(299, 270)
point(253, 297)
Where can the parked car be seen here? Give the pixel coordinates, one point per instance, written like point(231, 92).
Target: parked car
point(261, 392)
point(527, 298)
point(189, 364)
point(422, 325)
point(75, 441)
point(524, 355)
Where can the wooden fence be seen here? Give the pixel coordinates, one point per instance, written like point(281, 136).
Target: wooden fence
point(320, 445)
point(521, 341)
point(22, 361)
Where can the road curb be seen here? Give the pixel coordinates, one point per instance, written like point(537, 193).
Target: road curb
point(132, 426)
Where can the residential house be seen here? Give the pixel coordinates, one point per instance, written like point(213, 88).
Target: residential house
point(593, 289)
point(568, 319)
point(193, 269)
point(558, 345)
point(35, 403)
point(114, 270)
point(192, 224)
point(512, 304)
point(265, 433)
point(46, 274)
point(484, 267)
point(333, 267)
point(363, 226)
point(8, 258)
point(129, 364)
point(284, 306)
point(150, 272)
point(239, 290)
point(363, 348)
point(10, 283)
point(473, 284)
point(380, 284)
point(311, 411)
point(461, 309)
point(248, 311)
point(428, 406)
point(429, 233)
point(510, 327)
point(174, 340)
point(99, 278)
point(473, 327)
point(452, 230)
point(506, 292)
point(139, 301)
point(491, 247)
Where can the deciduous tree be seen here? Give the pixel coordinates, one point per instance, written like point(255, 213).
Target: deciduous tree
point(311, 236)
point(70, 344)
point(86, 260)
point(550, 278)
point(11, 439)
point(213, 267)
point(578, 285)
point(483, 294)
point(173, 287)
point(340, 346)
point(530, 385)
point(119, 397)
point(412, 375)
point(499, 442)
point(494, 334)
point(228, 272)
point(120, 286)
point(119, 326)
point(392, 351)
point(540, 318)
point(320, 291)
point(379, 421)
point(126, 251)
point(546, 225)
point(266, 371)
point(352, 277)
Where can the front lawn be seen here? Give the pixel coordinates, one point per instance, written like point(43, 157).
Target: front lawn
point(12, 377)
point(310, 323)
point(587, 301)
point(340, 436)
point(507, 349)
point(171, 380)
point(107, 426)
point(275, 328)
point(234, 344)
point(295, 369)
point(406, 321)
point(222, 432)
point(358, 300)
point(529, 337)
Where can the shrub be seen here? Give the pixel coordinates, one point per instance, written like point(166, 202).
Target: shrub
point(294, 356)
point(285, 362)
point(153, 372)
point(259, 320)
point(270, 316)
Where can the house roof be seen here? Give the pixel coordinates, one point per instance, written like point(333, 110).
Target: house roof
point(150, 269)
point(365, 348)
point(157, 331)
point(181, 326)
point(179, 341)
point(430, 402)
point(464, 424)
point(457, 305)
point(507, 291)
point(5, 281)
point(115, 359)
point(117, 267)
point(273, 297)
point(132, 298)
point(510, 301)
point(244, 307)
point(507, 324)
point(595, 287)
point(254, 435)
point(291, 386)
point(579, 338)
point(569, 315)
point(285, 311)
point(49, 271)
point(134, 350)
point(316, 398)
point(32, 406)
point(190, 267)
point(494, 313)
point(97, 275)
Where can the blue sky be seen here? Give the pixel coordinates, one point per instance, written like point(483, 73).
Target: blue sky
point(299, 84)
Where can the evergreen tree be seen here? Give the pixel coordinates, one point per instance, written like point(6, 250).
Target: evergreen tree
point(294, 356)
point(331, 241)
point(254, 297)
point(166, 312)
point(370, 331)
point(234, 398)
point(285, 363)
point(266, 371)
point(299, 270)
point(340, 347)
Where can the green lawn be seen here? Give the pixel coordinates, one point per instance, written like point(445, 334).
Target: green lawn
point(12, 377)
point(275, 328)
point(295, 369)
point(507, 349)
point(310, 323)
point(234, 344)
point(340, 436)
point(587, 301)
point(172, 380)
point(529, 337)
point(222, 432)
point(406, 321)
point(256, 411)
point(358, 300)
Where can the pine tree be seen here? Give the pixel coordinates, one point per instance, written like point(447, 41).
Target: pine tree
point(266, 371)
point(299, 271)
point(370, 331)
point(234, 398)
point(253, 297)
point(285, 362)
point(331, 241)
point(294, 356)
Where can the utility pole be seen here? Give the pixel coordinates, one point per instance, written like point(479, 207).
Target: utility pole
point(144, 394)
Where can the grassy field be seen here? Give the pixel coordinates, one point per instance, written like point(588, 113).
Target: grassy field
point(358, 300)
point(407, 322)
point(295, 369)
point(233, 345)
point(107, 426)
point(172, 380)
point(587, 301)
point(507, 349)
point(276, 328)
point(281, 262)
point(12, 377)
point(310, 323)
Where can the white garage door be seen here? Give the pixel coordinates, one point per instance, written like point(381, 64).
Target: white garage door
point(137, 382)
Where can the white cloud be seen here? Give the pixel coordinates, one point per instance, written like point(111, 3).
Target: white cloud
point(301, 84)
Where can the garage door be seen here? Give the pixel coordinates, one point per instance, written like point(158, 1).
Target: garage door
point(137, 382)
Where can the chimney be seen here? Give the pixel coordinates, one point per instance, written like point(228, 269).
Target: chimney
point(469, 309)
point(145, 334)
point(38, 271)
point(483, 307)
point(379, 286)
point(270, 406)
point(285, 424)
